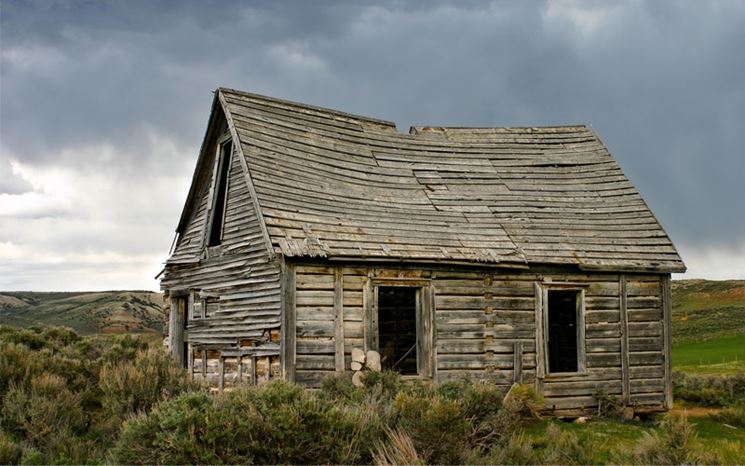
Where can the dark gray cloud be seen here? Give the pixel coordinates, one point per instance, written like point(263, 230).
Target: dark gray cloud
point(99, 87)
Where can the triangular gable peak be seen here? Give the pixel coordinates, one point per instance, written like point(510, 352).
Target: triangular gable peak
point(194, 227)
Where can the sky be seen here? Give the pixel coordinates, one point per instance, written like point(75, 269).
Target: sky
point(103, 105)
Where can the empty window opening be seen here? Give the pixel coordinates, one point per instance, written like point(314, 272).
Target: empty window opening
point(221, 189)
point(397, 328)
point(563, 332)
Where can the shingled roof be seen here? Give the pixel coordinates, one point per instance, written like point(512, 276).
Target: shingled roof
point(340, 186)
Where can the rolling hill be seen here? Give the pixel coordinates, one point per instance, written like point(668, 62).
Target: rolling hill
point(709, 326)
point(86, 312)
point(707, 309)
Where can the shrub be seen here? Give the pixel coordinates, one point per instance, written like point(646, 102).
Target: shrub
point(46, 408)
point(563, 447)
point(47, 416)
point(733, 416)
point(385, 384)
point(670, 445)
point(438, 429)
point(518, 449)
point(135, 386)
point(269, 424)
point(523, 400)
point(721, 390)
point(10, 452)
point(608, 405)
point(397, 449)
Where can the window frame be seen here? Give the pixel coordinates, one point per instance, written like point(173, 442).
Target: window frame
point(580, 316)
point(424, 315)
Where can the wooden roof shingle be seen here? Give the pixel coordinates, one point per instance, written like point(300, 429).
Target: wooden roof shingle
point(340, 186)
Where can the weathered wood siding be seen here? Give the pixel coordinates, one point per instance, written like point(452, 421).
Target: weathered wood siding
point(242, 281)
point(486, 328)
point(647, 353)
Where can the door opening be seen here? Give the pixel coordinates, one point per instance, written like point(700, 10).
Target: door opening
point(563, 331)
point(397, 328)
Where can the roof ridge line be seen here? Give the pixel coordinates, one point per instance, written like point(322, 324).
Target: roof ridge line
point(318, 108)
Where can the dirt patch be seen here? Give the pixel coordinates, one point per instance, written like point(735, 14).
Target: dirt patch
point(737, 293)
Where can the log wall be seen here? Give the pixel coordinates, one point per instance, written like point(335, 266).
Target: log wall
point(488, 326)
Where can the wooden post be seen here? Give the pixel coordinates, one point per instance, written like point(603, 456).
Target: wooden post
point(517, 367)
point(253, 370)
point(221, 380)
point(428, 345)
point(176, 329)
point(623, 296)
point(540, 349)
point(339, 319)
point(581, 352)
point(240, 368)
point(367, 311)
point(288, 324)
point(667, 338)
point(190, 361)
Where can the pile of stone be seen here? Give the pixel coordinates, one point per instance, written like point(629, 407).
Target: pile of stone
point(362, 362)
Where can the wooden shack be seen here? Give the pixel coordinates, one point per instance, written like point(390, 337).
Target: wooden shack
point(500, 254)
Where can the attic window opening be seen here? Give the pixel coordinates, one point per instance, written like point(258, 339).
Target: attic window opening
point(221, 189)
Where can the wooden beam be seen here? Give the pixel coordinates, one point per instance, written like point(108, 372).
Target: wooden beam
point(517, 366)
point(623, 297)
point(339, 319)
point(581, 352)
point(426, 336)
point(367, 313)
point(540, 347)
point(240, 369)
point(667, 338)
point(221, 380)
point(289, 321)
point(253, 370)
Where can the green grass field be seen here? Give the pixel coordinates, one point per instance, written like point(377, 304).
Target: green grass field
point(722, 355)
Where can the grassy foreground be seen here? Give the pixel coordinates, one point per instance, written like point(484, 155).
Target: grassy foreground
point(68, 399)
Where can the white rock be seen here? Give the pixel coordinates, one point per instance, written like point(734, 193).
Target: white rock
point(373, 361)
point(580, 420)
point(357, 379)
point(356, 366)
point(358, 355)
point(628, 413)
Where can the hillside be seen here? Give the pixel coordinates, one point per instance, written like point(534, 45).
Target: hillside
point(709, 326)
point(86, 312)
point(707, 309)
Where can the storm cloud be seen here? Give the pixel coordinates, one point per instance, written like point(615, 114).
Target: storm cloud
point(103, 106)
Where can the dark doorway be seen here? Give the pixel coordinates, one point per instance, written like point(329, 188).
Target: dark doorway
point(397, 328)
point(562, 331)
